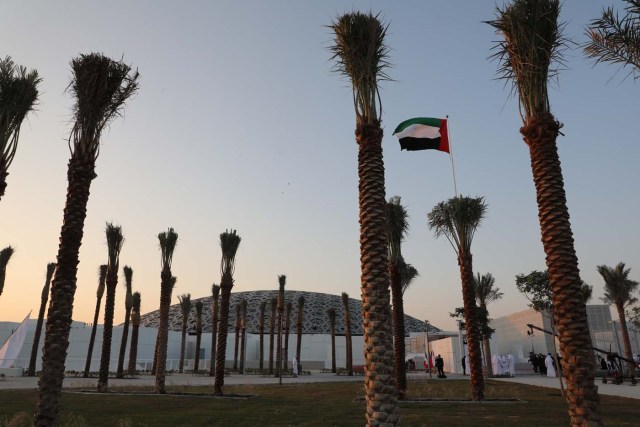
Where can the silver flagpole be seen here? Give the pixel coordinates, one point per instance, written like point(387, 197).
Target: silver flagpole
point(453, 168)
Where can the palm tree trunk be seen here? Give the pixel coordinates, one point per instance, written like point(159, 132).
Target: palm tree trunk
point(63, 289)
point(183, 342)
point(196, 363)
point(299, 335)
point(380, 391)
point(287, 327)
point(487, 357)
point(625, 338)
point(94, 329)
point(272, 326)
point(133, 348)
point(243, 343)
point(562, 264)
point(261, 348)
point(221, 351)
point(472, 325)
point(235, 349)
point(279, 344)
point(333, 348)
point(163, 331)
point(349, 343)
point(107, 331)
point(36, 338)
point(154, 365)
point(398, 331)
point(214, 337)
point(123, 344)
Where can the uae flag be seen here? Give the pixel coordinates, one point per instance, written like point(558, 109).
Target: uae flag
point(423, 133)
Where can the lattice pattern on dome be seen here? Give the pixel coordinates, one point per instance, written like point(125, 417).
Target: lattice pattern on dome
point(315, 319)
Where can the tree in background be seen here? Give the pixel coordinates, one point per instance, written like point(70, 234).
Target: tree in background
point(272, 327)
point(486, 293)
point(287, 328)
point(168, 241)
point(347, 334)
point(361, 55)
point(243, 333)
point(5, 256)
point(115, 239)
point(185, 307)
point(128, 304)
point(18, 97)
point(619, 291)
point(44, 298)
point(263, 307)
point(458, 219)
point(135, 323)
point(299, 326)
point(529, 54)
point(237, 337)
point(102, 277)
point(409, 272)
point(331, 313)
point(199, 306)
point(215, 292)
point(282, 280)
point(229, 243)
point(101, 88)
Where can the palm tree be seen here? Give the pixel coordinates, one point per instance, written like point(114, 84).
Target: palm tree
point(44, 298)
point(101, 87)
point(102, 277)
point(486, 294)
point(18, 97)
point(272, 327)
point(332, 330)
point(135, 323)
point(185, 307)
point(237, 337)
point(409, 272)
point(114, 245)
point(360, 53)
point(263, 307)
point(287, 328)
point(458, 219)
point(533, 45)
point(229, 243)
point(347, 333)
point(614, 39)
point(299, 326)
point(618, 291)
point(243, 333)
point(168, 240)
point(128, 304)
point(282, 280)
point(215, 292)
point(199, 305)
point(397, 228)
point(5, 256)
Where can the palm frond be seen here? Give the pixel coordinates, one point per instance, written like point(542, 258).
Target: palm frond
point(185, 304)
point(5, 256)
point(407, 274)
point(332, 314)
point(616, 40)
point(215, 291)
point(618, 288)
point(229, 243)
point(345, 298)
point(361, 54)
point(115, 239)
point(168, 241)
point(458, 219)
point(397, 227)
point(282, 280)
point(486, 293)
point(587, 291)
point(136, 299)
point(101, 87)
point(199, 305)
point(128, 278)
point(531, 53)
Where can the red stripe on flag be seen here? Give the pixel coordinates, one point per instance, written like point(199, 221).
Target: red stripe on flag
point(444, 136)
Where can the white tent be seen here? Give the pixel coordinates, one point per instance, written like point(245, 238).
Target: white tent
point(13, 346)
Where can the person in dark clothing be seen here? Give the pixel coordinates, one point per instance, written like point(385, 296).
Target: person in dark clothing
point(464, 365)
point(440, 367)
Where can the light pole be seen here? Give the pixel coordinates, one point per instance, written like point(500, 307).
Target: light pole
point(426, 346)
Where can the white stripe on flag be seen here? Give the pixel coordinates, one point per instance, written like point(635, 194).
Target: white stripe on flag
point(419, 131)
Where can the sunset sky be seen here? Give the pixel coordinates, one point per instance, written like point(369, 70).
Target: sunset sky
point(240, 123)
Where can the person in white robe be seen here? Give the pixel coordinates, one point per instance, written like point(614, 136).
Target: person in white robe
point(512, 365)
point(548, 362)
point(294, 367)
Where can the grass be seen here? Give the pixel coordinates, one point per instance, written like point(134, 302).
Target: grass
point(310, 405)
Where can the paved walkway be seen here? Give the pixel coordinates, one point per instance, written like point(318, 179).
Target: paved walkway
point(623, 390)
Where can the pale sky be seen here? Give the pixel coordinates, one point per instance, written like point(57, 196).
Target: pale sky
point(240, 123)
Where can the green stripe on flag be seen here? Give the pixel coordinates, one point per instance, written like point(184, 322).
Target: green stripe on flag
point(427, 121)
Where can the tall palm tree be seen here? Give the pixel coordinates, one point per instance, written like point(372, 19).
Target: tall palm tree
point(347, 333)
point(486, 293)
point(199, 305)
point(215, 292)
point(282, 280)
point(168, 241)
point(135, 323)
point(237, 337)
point(360, 53)
point(18, 97)
point(229, 243)
point(243, 333)
point(614, 39)
point(409, 272)
point(272, 327)
point(101, 87)
point(102, 277)
point(331, 313)
point(619, 291)
point(128, 304)
point(5, 256)
point(185, 308)
point(299, 326)
point(397, 228)
point(458, 219)
point(44, 298)
point(287, 328)
point(263, 307)
point(114, 246)
point(532, 46)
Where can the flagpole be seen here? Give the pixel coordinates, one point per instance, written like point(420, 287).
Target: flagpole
point(453, 168)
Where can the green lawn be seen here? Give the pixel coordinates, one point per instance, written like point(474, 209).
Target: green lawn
point(316, 404)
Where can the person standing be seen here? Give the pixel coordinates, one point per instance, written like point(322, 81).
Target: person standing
point(440, 367)
point(464, 365)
